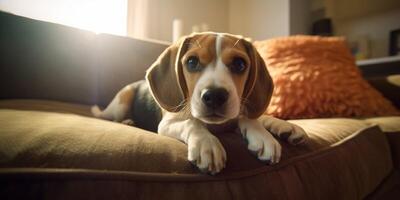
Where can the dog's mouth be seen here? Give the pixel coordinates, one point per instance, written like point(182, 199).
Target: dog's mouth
point(213, 118)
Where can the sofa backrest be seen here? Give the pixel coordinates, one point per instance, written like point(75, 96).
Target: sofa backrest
point(42, 60)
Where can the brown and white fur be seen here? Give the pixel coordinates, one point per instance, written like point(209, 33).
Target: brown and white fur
point(179, 91)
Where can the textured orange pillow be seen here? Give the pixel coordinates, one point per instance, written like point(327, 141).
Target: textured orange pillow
point(317, 77)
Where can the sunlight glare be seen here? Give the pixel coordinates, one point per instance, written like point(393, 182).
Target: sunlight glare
point(99, 16)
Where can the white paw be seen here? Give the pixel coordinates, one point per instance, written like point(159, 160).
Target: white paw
point(263, 145)
point(285, 130)
point(128, 122)
point(260, 141)
point(207, 153)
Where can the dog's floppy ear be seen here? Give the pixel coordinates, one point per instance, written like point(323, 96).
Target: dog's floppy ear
point(259, 86)
point(165, 77)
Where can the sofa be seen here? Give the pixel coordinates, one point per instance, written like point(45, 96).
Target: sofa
point(52, 148)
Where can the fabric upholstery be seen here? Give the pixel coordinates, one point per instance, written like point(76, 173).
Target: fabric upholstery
point(46, 106)
point(296, 178)
point(41, 139)
point(317, 77)
point(41, 60)
point(394, 141)
point(389, 189)
point(322, 132)
point(387, 124)
point(96, 158)
point(389, 86)
point(391, 127)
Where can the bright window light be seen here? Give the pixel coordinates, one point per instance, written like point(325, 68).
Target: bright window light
point(100, 16)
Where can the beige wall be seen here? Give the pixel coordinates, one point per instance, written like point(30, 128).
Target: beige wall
point(263, 19)
point(300, 17)
point(161, 13)
point(259, 19)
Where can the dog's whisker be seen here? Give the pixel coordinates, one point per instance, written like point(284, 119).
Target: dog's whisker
point(198, 44)
point(236, 43)
point(184, 108)
point(181, 104)
point(243, 102)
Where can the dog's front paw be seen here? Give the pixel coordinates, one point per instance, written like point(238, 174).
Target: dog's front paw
point(207, 153)
point(128, 122)
point(285, 130)
point(264, 146)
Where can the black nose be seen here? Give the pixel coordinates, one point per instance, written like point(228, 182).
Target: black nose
point(214, 97)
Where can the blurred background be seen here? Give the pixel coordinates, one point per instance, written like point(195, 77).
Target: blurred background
point(372, 27)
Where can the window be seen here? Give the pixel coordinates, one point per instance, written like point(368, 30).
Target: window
point(100, 16)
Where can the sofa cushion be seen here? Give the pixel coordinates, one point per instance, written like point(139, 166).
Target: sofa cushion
point(79, 156)
point(45, 139)
point(46, 106)
point(311, 176)
point(71, 132)
point(391, 127)
point(387, 124)
point(317, 77)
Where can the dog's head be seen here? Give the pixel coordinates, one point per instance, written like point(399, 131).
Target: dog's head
point(215, 76)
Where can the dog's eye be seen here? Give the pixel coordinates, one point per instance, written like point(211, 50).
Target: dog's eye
point(238, 65)
point(193, 64)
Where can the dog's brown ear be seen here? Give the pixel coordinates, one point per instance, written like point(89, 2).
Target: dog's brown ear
point(259, 86)
point(165, 77)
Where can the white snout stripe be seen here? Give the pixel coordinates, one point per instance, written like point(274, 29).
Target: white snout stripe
point(216, 74)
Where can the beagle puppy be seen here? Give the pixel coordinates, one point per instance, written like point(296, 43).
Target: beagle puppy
point(206, 78)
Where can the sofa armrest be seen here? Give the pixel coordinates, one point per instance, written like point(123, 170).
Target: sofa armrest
point(389, 86)
point(42, 60)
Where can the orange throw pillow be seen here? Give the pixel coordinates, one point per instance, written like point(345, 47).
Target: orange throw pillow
point(317, 77)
